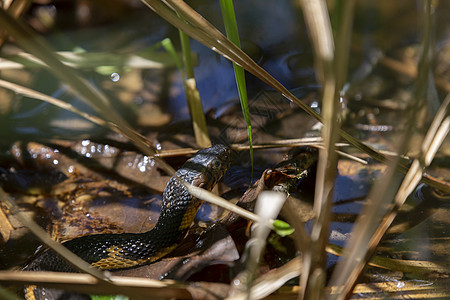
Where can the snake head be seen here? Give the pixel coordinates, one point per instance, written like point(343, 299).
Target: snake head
point(209, 165)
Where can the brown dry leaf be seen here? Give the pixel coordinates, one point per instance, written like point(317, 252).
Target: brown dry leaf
point(267, 181)
point(5, 226)
point(282, 178)
point(105, 207)
point(93, 160)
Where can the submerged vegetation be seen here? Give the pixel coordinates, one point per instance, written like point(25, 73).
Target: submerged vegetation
point(378, 114)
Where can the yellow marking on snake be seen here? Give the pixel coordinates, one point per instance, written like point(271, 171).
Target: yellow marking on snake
point(189, 216)
point(29, 292)
point(115, 259)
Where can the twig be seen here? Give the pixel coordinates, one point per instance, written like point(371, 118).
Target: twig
point(142, 287)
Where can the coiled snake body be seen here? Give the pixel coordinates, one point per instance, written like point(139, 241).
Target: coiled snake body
point(125, 250)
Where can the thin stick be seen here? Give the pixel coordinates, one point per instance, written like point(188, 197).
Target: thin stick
point(142, 288)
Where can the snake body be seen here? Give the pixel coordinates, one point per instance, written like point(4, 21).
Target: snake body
point(126, 250)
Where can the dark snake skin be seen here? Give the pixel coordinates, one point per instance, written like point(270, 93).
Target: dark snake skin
point(125, 250)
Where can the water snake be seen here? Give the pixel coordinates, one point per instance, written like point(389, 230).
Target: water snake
point(125, 250)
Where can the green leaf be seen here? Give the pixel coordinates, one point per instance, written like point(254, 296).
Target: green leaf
point(282, 228)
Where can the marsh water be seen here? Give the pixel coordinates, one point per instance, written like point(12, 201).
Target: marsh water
point(76, 178)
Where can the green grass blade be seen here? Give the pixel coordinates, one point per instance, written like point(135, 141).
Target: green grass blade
point(187, 56)
point(229, 19)
point(190, 89)
point(168, 46)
